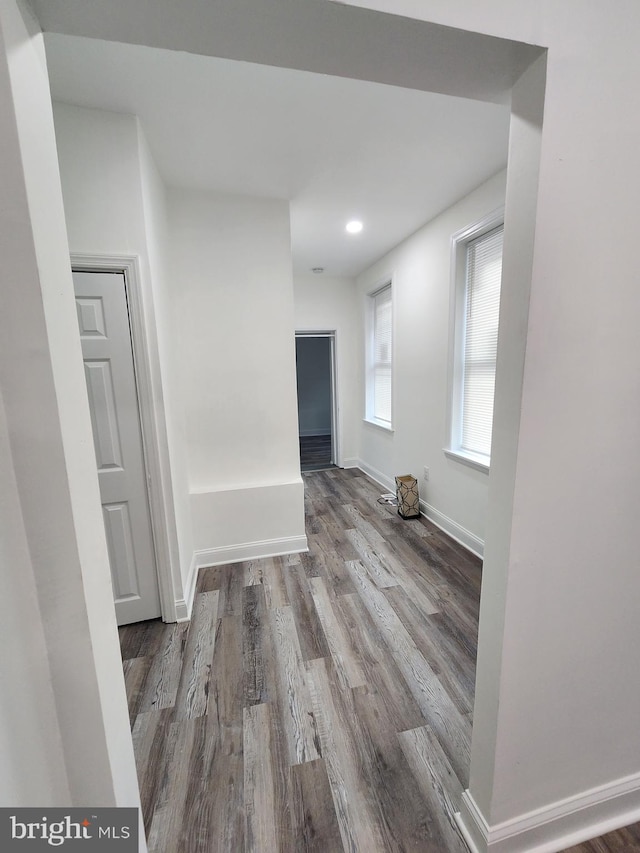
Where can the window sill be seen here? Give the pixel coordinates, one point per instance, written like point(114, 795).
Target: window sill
point(480, 463)
point(379, 424)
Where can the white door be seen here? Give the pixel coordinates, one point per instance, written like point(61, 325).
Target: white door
point(103, 318)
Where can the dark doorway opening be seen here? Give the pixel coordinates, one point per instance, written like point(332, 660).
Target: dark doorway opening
point(314, 369)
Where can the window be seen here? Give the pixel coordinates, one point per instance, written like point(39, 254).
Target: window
point(478, 274)
point(379, 360)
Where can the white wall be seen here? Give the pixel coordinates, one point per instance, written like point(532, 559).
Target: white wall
point(100, 172)
point(456, 494)
point(231, 274)
point(164, 331)
point(114, 205)
point(329, 303)
point(31, 749)
point(555, 698)
point(559, 701)
point(219, 271)
point(63, 615)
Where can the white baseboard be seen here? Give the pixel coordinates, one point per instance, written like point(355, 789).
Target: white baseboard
point(554, 828)
point(350, 463)
point(185, 605)
point(456, 531)
point(251, 551)
point(376, 475)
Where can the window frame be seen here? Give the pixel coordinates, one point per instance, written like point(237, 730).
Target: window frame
point(369, 417)
point(459, 246)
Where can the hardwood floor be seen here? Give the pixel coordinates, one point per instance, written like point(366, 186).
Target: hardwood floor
point(626, 840)
point(316, 702)
point(315, 452)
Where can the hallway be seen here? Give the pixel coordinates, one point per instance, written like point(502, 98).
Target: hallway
point(320, 701)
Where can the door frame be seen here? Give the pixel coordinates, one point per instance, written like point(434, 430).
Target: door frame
point(155, 449)
point(336, 443)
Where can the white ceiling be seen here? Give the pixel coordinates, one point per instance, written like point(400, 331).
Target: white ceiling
point(337, 148)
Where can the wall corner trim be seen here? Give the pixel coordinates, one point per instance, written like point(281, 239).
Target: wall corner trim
point(471, 823)
point(557, 826)
point(351, 463)
point(184, 606)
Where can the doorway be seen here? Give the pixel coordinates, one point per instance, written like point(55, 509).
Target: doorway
point(315, 377)
point(107, 353)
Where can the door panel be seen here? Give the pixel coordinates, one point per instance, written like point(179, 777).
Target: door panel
point(117, 525)
point(91, 317)
point(103, 321)
point(104, 420)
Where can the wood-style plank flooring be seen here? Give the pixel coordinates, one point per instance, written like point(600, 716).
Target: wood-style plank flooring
point(316, 702)
point(626, 840)
point(320, 701)
point(315, 452)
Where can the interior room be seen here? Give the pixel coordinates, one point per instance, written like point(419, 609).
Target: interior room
point(220, 247)
point(205, 167)
point(221, 282)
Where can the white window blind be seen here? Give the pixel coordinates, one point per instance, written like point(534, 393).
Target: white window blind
point(484, 273)
point(381, 366)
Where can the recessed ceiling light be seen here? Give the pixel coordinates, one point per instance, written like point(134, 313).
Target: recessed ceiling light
point(354, 227)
